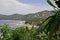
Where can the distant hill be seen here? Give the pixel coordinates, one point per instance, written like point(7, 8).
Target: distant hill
point(43, 14)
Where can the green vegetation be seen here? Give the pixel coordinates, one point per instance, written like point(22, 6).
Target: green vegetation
point(51, 26)
point(22, 33)
point(34, 21)
point(43, 14)
point(49, 29)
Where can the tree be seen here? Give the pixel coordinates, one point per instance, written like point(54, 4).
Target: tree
point(51, 25)
point(6, 32)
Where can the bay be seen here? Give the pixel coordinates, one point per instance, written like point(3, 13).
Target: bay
point(11, 23)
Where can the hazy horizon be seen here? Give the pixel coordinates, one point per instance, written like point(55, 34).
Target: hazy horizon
point(26, 14)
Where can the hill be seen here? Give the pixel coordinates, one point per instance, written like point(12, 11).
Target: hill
point(43, 15)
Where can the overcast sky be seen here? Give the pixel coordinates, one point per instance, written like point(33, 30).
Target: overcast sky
point(9, 7)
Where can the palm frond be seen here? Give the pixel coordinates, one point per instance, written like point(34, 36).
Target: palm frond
point(50, 3)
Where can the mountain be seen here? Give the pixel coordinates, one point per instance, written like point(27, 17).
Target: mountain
point(43, 14)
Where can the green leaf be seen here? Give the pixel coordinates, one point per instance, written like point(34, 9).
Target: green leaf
point(55, 0)
point(50, 3)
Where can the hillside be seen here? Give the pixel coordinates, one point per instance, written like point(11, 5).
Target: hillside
point(43, 14)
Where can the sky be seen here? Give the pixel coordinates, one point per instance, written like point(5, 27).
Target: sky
point(8, 7)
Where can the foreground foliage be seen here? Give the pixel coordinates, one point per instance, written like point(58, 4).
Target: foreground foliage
point(51, 26)
point(49, 30)
point(23, 33)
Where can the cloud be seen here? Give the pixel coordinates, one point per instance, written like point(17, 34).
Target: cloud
point(12, 6)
